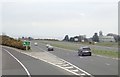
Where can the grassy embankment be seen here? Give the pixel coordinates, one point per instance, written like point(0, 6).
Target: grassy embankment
point(73, 46)
point(11, 42)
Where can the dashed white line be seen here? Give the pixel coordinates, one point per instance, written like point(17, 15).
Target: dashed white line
point(107, 64)
point(28, 73)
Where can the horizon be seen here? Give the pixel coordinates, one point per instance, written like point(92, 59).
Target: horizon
point(49, 37)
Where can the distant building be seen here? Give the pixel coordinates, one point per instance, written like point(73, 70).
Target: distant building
point(103, 38)
point(80, 38)
point(76, 39)
point(106, 39)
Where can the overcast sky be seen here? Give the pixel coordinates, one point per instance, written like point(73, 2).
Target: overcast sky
point(56, 18)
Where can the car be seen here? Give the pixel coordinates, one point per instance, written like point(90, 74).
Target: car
point(47, 45)
point(84, 51)
point(36, 44)
point(50, 48)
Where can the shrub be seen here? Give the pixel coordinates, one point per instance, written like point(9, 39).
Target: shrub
point(8, 41)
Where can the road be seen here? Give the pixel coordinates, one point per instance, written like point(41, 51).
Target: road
point(95, 65)
point(16, 63)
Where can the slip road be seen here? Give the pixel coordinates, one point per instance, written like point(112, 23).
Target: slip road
point(15, 63)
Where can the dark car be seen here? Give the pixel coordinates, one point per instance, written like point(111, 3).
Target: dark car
point(84, 51)
point(50, 48)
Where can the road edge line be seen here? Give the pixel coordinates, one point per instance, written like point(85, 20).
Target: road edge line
point(28, 73)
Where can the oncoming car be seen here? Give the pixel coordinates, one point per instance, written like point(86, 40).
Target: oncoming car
point(36, 44)
point(84, 51)
point(50, 48)
point(47, 45)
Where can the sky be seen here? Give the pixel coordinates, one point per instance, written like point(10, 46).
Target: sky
point(57, 18)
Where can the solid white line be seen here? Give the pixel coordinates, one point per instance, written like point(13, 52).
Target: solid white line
point(19, 62)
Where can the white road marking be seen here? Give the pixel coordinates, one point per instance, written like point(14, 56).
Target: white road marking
point(69, 67)
point(105, 57)
point(107, 64)
point(78, 68)
point(64, 65)
point(75, 70)
point(59, 63)
point(82, 74)
point(81, 57)
point(28, 73)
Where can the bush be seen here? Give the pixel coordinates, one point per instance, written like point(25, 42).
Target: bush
point(8, 41)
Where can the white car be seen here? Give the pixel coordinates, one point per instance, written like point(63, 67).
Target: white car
point(50, 48)
point(36, 44)
point(47, 45)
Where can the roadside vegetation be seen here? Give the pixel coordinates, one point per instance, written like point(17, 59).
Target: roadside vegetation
point(75, 46)
point(112, 54)
point(107, 44)
point(11, 42)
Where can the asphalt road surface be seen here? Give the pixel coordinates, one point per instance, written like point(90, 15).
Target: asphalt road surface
point(26, 65)
point(94, 65)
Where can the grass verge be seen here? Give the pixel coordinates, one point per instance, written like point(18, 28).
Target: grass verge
point(112, 54)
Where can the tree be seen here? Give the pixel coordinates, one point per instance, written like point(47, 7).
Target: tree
point(66, 38)
point(72, 39)
point(95, 38)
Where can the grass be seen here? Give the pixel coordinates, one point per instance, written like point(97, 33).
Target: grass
point(108, 44)
point(66, 45)
point(106, 53)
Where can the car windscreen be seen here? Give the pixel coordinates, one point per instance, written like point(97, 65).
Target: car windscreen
point(88, 49)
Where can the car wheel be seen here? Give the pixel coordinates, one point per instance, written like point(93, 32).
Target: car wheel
point(82, 54)
point(90, 54)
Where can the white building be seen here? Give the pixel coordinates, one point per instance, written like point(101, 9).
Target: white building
point(106, 39)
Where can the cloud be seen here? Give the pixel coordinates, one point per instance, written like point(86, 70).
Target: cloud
point(52, 19)
point(58, 1)
point(82, 14)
